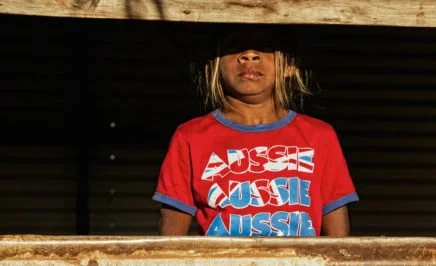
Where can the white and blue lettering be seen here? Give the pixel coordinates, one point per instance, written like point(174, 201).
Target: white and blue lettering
point(306, 227)
point(238, 194)
point(263, 224)
point(227, 196)
point(277, 192)
point(258, 160)
point(260, 224)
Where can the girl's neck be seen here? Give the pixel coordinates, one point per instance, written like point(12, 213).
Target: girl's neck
point(253, 114)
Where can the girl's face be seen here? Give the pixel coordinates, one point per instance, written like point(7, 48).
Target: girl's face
point(247, 66)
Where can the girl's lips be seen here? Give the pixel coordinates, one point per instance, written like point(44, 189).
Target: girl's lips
point(250, 74)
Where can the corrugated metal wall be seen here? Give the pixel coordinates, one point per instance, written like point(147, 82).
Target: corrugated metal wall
point(88, 107)
point(379, 91)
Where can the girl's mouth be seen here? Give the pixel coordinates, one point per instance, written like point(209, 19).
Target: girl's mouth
point(250, 74)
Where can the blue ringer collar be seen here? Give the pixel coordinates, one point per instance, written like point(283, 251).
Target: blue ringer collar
point(254, 128)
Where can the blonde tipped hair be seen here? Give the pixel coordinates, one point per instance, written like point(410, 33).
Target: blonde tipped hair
point(290, 86)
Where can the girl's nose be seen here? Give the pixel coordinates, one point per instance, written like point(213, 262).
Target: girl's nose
point(249, 56)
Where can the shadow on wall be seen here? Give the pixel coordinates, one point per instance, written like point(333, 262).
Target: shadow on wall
point(138, 9)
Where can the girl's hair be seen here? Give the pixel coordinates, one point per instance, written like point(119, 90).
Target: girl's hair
point(289, 92)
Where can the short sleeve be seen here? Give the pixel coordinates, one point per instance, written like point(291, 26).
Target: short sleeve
point(337, 187)
point(174, 181)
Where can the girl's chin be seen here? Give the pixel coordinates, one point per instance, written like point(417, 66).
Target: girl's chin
point(251, 92)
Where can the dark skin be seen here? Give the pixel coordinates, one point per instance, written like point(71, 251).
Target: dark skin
point(336, 223)
point(248, 72)
point(174, 222)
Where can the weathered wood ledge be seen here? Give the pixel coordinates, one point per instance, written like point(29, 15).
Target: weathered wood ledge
point(191, 250)
point(409, 13)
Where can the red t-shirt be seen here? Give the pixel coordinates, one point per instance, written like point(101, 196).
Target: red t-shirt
point(275, 179)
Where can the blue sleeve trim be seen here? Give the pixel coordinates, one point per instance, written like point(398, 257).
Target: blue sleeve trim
point(175, 203)
point(339, 203)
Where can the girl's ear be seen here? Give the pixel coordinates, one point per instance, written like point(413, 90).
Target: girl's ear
point(289, 71)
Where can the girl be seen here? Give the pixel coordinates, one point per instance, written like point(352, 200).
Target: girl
point(253, 166)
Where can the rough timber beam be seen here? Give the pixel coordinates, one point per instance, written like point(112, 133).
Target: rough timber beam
point(29, 250)
point(410, 13)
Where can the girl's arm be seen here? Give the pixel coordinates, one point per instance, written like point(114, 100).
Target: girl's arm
point(174, 222)
point(336, 223)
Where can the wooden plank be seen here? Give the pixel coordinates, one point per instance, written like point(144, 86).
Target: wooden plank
point(412, 224)
point(109, 88)
point(370, 63)
point(368, 79)
point(33, 101)
point(397, 189)
point(392, 231)
point(147, 71)
point(151, 104)
point(380, 111)
point(131, 230)
point(129, 154)
point(29, 250)
point(378, 46)
point(140, 52)
point(125, 231)
point(24, 68)
point(31, 219)
point(380, 142)
point(123, 204)
point(48, 85)
point(399, 174)
point(389, 206)
point(40, 229)
point(38, 152)
point(398, 221)
point(146, 158)
point(128, 223)
point(23, 187)
point(60, 202)
point(125, 219)
point(391, 157)
point(123, 172)
point(141, 90)
point(123, 188)
point(362, 127)
point(315, 33)
point(351, 94)
point(37, 120)
point(413, 13)
point(49, 50)
point(37, 170)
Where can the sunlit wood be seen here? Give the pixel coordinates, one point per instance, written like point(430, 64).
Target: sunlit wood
point(412, 13)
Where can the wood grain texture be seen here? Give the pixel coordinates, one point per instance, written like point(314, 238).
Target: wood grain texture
point(411, 13)
point(139, 250)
